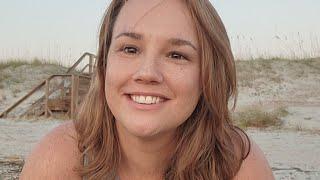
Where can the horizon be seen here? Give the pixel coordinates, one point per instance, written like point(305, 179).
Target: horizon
point(64, 30)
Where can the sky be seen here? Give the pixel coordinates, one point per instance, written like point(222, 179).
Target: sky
point(63, 30)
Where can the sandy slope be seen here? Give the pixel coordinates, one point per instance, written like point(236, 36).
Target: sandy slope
point(291, 154)
point(292, 84)
point(293, 151)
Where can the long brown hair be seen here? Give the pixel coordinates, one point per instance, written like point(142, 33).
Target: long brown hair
point(209, 146)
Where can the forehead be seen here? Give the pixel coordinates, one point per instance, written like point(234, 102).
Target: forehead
point(163, 18)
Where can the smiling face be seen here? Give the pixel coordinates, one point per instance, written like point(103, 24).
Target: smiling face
point(152, 80)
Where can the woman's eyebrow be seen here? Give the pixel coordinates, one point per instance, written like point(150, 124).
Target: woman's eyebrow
point(172, 41)
point(182, 42)
point(131, 35)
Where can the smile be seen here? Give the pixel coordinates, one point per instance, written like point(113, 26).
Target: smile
point(146, 99)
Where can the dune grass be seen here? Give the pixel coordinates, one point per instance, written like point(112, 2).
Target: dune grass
point(11, 65)
point(14, 63)
point(249, 71)
point(259, 117)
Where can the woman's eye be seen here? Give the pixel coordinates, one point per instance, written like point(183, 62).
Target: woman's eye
point(130, 50)
point(176, 55)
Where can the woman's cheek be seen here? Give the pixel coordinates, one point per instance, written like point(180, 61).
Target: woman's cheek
point(186, 79)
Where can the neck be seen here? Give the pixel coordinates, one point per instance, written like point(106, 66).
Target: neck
point(144, 158)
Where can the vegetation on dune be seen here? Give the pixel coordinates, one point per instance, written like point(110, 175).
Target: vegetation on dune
point(17, 71)
point(263, 74)
point(14, 63)
point(248, 72)
point(259, 117)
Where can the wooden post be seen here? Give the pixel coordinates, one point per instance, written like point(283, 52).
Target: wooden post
point(74, 95)
point(46, 108)
point(63, 92)
point(90, 64)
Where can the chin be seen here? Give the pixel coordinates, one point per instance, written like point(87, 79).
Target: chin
point(144, 130)
point(141, 128)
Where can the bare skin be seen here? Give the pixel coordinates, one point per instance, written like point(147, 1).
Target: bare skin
point(54, 157)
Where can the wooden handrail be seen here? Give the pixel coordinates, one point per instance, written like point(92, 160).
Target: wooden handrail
point(84, 68)
point(3, 114)
point(76, 64)
point(8, 110)
point(43, 83)
point(79, 61)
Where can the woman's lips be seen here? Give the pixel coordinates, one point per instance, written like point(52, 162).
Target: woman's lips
point(141, 106)
point(136, 93)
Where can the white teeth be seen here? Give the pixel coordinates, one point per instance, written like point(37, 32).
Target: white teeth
point(146, 99)
point(141, 99)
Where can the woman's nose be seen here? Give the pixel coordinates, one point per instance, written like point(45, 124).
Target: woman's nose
point(148, 72)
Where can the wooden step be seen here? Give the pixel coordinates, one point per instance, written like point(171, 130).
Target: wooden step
point(59, 104)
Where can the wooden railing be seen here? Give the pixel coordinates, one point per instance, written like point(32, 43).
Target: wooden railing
point(74, 74)
point(5, 113)
point(74, 96)
point(69, 102)
point(90, 64)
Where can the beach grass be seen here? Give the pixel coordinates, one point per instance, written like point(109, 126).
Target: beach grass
point(259, 117)
point(13, 71)
point(14, 63)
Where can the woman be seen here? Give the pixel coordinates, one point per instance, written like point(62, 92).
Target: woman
point(158, 108)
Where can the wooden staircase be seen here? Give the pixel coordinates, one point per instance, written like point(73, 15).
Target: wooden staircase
point(59, 94)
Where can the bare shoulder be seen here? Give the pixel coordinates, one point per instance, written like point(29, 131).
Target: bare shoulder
point(255, 166)
point(55, 156)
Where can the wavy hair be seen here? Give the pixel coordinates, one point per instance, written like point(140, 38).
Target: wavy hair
point(209, 145)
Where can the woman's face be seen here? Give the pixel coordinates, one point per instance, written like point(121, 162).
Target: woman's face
point(153, 67)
